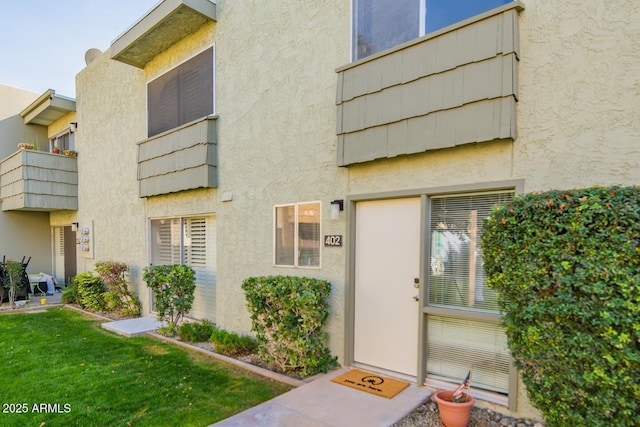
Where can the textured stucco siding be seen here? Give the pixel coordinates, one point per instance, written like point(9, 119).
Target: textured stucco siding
point(579, 94)
point(111, 120)
point(276, 90)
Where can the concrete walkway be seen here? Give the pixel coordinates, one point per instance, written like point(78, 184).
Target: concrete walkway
point(319, 403)
point(323, 403)
point(134, 327)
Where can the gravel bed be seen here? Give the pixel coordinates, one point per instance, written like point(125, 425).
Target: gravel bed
point(426, 415)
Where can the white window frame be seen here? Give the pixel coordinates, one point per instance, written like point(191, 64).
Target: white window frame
point(53, 142)
point(296, 238)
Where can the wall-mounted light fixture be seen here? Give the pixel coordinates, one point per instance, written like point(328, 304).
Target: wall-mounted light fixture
point(73, 126)
point(336, 207)
point(74, 226)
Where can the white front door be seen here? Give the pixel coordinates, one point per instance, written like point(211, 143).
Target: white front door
point(387, 262)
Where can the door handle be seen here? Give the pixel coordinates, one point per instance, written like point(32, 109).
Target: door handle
point(416, 297)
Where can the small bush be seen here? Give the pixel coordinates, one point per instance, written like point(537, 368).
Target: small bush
point(173, 287)
point(70, 294)
point(90, 292)
point(566, 265)
point(118, 298)
point(288, 315)
point(231, 344)
point(196, 332)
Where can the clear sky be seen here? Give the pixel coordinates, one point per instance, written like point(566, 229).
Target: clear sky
point(43, 42)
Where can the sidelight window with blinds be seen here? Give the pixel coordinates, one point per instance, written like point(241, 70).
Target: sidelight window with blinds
point(463, 329)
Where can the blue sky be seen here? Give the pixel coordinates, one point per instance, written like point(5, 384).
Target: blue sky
point(43, 42)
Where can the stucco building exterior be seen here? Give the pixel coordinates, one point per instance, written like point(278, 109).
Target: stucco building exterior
point(24, 232)
point(218, 135)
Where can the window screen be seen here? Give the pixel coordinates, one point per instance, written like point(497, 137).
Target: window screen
point(182, 95)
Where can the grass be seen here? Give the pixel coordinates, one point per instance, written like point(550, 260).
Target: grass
point(86, 376)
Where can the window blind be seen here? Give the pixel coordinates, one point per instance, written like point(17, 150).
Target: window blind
point(455, 346)
point(457, 276)
point(181, 95)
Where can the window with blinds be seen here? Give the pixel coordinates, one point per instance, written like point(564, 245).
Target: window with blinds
point(457, 282)
point(457, 278)
point(166, 241)
point(181, 95)
point(195, 246)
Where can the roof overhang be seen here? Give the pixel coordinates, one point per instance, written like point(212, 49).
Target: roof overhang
point(165, 25)
point(48, 108)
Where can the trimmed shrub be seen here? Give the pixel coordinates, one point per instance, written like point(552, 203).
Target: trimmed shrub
point(196, 332)
point(118, 298)
point(90, 292)
point(566, 265)
point(173, 287)
point(288, 315)
point(70, 294)
point(231, 344)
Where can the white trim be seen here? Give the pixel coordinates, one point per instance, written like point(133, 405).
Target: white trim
point(296, 239)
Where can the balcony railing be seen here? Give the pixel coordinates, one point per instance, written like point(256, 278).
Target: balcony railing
point(180, 159)
point(33, 180)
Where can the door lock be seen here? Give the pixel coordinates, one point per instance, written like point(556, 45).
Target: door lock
point(416, 282)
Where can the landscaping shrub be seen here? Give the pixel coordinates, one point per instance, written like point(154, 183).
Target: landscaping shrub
point(196, 332)
point(288, 315)
point(12, 277)
point(70, 295)
point(90, 292)
point(118, 298)
point(566, 265)
point(173, 287)
point(232, 344)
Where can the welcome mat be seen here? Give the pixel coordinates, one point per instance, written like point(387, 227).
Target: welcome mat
point(371, 383)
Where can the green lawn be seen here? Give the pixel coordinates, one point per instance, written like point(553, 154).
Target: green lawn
point(63, 369)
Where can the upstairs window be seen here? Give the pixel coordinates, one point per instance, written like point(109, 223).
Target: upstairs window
point(63, 141)
point(181, 95)
point(383, 24)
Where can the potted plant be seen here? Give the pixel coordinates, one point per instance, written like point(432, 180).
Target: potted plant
point(70, 153)
point(25, 146)
point(55, 150)
point(455, 406)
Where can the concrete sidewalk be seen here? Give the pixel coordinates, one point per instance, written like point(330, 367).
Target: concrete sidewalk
point(323, 403)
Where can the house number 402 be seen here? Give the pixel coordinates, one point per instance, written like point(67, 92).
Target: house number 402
point(333, 240)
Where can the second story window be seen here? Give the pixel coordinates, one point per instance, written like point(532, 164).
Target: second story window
point(181, 95)
point(383, 24)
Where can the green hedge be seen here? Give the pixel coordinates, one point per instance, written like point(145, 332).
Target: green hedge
point(566, 265)
point(288, 315)
point(90, 292)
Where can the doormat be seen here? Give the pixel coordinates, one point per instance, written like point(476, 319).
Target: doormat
point(371, 383)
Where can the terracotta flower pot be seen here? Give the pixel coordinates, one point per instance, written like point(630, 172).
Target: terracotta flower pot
point(453, 414)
